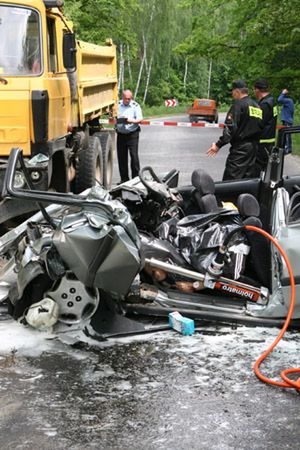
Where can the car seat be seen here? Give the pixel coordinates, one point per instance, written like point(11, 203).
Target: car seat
point(249, 210)
point(259, 263)
point(204, 192)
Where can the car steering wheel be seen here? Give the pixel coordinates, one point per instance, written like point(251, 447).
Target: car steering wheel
point(155, 188)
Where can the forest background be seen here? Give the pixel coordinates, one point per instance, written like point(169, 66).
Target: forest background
point(188, 49)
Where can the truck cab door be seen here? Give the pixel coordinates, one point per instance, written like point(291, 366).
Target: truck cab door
point(57, 83)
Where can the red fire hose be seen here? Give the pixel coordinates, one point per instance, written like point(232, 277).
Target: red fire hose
point(287, 382)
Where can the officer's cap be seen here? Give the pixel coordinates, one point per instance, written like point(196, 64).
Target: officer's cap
point(239, 84)
point(261, 83)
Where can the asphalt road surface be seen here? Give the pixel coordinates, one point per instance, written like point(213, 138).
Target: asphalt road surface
point(159, 391)
point(184, 148)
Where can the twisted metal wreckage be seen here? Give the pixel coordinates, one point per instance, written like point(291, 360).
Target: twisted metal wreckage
point(102, 260)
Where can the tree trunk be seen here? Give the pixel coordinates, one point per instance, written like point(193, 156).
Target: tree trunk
point(209, 78)
point(121, 70)
point(141, 67)
point(148, 79)
point(129, 64)
point(144, 57)
point(185, 74)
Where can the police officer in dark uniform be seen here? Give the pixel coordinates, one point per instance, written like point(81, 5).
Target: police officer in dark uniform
point(128, 129)
point(267, 138)
point(242, 130)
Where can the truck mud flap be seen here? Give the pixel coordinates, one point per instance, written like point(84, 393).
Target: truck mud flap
point(40, 113)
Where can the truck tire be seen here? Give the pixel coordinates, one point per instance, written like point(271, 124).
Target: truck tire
point(89, 168)
point(108, 146)
point(216, 119)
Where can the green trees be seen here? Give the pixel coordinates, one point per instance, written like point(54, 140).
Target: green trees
point(250, 39)
point(166, 48)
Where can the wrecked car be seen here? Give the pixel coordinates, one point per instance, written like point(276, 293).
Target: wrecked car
point(101, 260)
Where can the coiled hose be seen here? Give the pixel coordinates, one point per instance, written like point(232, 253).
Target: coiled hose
point(287, 382)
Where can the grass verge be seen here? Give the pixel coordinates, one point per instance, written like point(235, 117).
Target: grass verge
point(296, 137)
point(162, 111)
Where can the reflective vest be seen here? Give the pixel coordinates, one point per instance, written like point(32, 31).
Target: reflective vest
point(243, 122)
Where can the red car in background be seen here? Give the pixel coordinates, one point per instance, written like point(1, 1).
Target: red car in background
point(203, 108)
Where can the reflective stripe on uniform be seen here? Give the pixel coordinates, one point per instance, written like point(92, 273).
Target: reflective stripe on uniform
point(255, 112)
point(267, 141)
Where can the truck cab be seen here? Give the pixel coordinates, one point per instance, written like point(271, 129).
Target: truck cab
point(53, 90)
point(33, 81)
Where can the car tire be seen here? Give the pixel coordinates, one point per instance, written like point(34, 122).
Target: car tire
point(89, 167)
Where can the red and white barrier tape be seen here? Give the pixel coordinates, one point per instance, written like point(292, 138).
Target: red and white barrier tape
point(169, 124)
point(174, 124)
point(183, 124)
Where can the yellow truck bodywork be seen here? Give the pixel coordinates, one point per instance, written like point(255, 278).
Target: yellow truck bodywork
point(15, 117)
point(97, 81)
point(43, 105)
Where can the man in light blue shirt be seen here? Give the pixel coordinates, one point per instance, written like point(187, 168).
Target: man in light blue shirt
point(128, 129)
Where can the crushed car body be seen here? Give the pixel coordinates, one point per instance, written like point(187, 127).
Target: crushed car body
point(101, 260)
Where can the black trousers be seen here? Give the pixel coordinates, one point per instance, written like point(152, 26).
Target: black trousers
point(262, 158)
point(240, 161)
point(128, 143)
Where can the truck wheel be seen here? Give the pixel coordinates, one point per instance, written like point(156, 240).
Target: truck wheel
point(107, 145)
point(89, 168)
point(216, 119)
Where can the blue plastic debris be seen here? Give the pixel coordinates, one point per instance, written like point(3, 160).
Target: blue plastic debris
point(181, 324)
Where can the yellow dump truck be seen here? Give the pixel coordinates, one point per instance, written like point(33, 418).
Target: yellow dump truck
point(53, 90)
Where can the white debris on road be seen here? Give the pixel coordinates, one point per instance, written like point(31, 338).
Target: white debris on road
point(235, 350)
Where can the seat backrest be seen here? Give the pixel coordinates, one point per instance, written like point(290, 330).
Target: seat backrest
point(207, 203)
point(258, 263)
point(203, 182)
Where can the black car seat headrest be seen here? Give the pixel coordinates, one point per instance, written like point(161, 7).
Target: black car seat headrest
point(203, 182)
point(248, 206)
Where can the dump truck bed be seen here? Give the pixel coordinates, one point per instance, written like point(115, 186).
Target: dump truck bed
point(97, 81)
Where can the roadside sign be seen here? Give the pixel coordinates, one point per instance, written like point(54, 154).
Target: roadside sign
point(171, 102)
